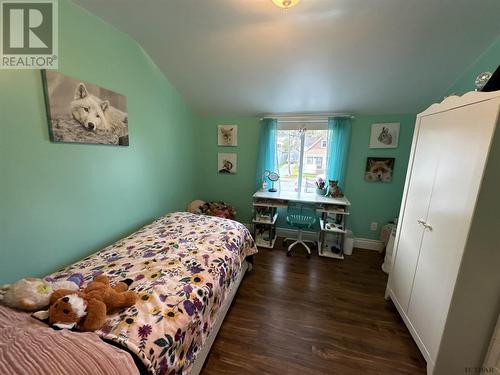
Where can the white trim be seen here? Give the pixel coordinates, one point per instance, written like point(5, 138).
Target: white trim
point(368, 244)
point(455, 101)
point(205, 349)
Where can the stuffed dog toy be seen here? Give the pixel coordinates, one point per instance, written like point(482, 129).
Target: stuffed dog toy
point(86, 310)
point(32, 293)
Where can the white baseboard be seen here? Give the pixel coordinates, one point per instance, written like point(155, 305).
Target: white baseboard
point(359, 243)
point(368, 244)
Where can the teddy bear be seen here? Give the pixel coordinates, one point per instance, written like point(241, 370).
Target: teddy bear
point(86, 310)
point(32, 293)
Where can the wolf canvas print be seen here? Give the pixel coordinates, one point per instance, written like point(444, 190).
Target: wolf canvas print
point(379, 169)
point(82, 112)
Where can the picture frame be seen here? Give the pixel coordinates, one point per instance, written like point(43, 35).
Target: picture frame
point(379, 169)
point(385, 135)
point(82, 112)
point(226, 163)
point(227, 135)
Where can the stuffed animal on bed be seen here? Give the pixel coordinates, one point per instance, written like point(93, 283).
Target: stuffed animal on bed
point(31, 293)
point(86, 310)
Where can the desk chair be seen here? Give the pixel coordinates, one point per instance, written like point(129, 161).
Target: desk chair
point(301, 216)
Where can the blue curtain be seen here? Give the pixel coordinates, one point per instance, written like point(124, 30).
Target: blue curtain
point(339, 137)
point(267, 158)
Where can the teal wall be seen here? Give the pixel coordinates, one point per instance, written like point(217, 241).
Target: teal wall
point(376, 201)
point(234, 189)
point(488, 61)
point(371, 202)
point(60, 202)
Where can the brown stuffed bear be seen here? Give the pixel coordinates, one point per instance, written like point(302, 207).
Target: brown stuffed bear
point(87, 309)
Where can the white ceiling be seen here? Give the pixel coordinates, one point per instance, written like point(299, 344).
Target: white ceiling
point(248, 57)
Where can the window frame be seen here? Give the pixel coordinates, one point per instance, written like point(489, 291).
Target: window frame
point(303, 127)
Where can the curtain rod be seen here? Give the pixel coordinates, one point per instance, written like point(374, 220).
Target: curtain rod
point(317, 117)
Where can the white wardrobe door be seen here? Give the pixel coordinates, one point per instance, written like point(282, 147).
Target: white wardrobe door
point(417, 203)
point(464, 147)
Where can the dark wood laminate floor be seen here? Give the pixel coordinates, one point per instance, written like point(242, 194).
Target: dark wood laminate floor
point(319, 316)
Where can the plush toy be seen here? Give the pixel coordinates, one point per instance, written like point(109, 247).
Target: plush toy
point(86, 310)
point(334, 190)
point(32, 293)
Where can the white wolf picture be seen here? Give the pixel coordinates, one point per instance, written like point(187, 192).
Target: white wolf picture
point(82, 112)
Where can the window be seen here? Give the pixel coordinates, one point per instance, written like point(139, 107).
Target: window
point(302, 154)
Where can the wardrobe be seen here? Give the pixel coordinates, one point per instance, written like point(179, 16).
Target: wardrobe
point(445, 275)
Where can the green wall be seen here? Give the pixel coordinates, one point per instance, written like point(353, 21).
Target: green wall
point(374, 201)
point(371, 202)
point(60, 202)
point(488, 61)
point(234, 189)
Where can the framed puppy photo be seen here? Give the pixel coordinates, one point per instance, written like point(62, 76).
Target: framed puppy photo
point(385, 135)
point(82, 112)
point(226, 163)
point(227, 135)
point(379, 169)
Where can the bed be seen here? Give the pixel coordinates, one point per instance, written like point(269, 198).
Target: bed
point(186, 269)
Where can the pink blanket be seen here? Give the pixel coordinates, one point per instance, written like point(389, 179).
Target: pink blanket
point(28, 346)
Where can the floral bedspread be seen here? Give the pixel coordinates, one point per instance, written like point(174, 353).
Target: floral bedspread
point(182, 266)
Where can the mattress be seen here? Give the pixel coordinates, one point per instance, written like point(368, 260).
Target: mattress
point(182, 266)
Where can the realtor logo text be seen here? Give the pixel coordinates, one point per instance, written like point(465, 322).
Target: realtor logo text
point(29, 34)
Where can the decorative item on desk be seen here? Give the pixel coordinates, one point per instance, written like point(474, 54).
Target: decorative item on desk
point(334, 190)
point(320, 186)
point(273, 177)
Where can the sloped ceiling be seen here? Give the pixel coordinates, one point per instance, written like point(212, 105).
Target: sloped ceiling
point(248, 57)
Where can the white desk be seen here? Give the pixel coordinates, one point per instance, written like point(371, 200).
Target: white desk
point(324, 205)
point(311, 198)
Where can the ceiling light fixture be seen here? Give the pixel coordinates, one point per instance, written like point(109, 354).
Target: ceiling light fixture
point(285, 4)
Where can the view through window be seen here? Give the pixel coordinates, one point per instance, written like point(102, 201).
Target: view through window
point(302, 156)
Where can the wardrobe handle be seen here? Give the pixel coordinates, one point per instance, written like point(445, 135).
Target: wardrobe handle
point(424, 223)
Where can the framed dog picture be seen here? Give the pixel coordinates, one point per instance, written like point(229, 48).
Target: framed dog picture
point(227, 135)
point(82, 112)
point(226, 163)
point(379, 169)
point(385, 135)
